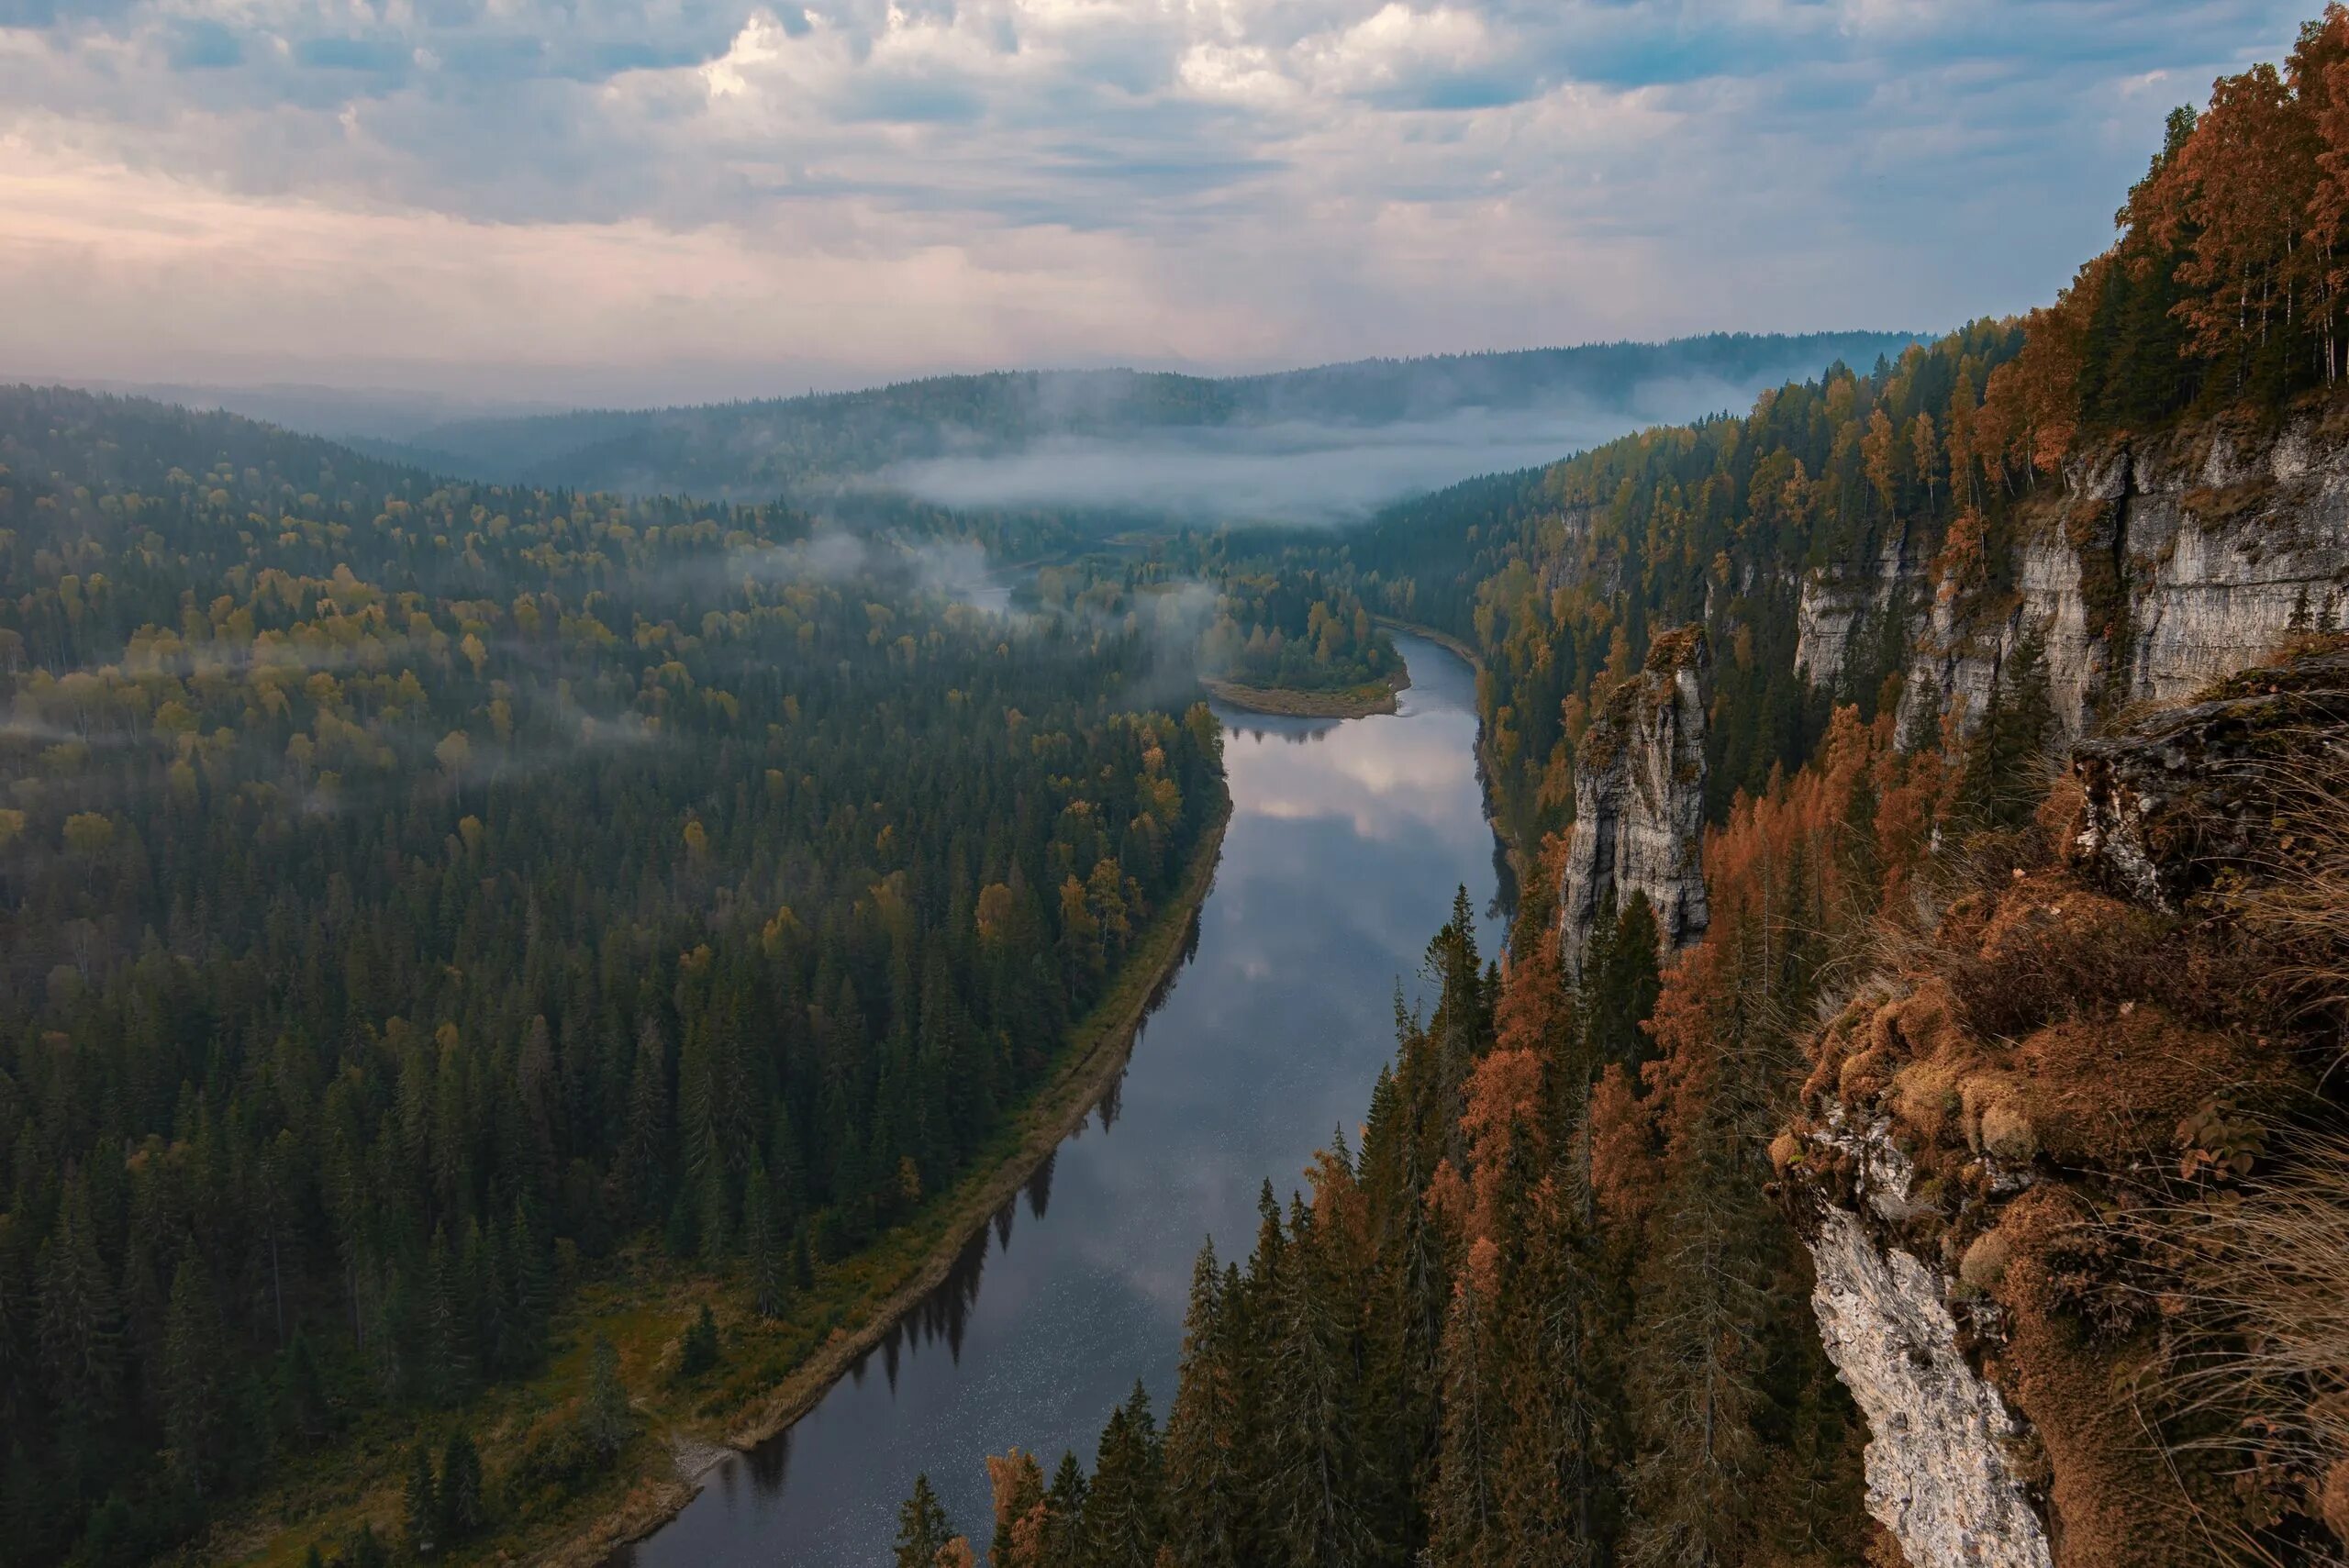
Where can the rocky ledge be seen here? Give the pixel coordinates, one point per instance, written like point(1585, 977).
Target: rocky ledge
point(1991, 1139)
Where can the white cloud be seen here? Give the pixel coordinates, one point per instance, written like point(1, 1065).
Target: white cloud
point(714, 196)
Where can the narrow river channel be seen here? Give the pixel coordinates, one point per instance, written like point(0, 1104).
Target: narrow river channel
point(1347, 839)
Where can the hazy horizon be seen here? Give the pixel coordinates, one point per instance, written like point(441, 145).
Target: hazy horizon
point(421, 404)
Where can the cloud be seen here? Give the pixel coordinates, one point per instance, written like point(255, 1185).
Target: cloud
point(628, 200)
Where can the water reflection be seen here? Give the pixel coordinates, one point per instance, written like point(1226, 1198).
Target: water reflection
point(1346, 841)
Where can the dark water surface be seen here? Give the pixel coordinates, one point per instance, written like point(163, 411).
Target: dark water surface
point(1346, 841)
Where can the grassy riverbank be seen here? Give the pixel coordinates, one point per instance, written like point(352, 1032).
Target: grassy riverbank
point(1347, 702)
point(770, 1373)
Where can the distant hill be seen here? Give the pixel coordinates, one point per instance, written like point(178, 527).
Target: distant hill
point(381, 417)
point(765, 446)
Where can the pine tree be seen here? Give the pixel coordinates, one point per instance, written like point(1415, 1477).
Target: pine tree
point(643, 1154)
point(194, 1403)
point(1062, 1536)
point(1124, 1519)
point(770, 1284)
point(302, 1408)
point(1310, 1398)
point(803, 1260)
point(922, 1529)
point(697, 1348)
point(463, 1513)
point(1205, 1482)
point(80, 1325)
point(534, 1289)
point(604, 1420)
point(1620, 984)
point(2005, 773)
point(447, 1327)
point(367, 1551)
point(1464, 1510)
point(421, 1505)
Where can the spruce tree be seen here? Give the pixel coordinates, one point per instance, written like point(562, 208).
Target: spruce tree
point(194, 1403)
point(421, 1504)
point(697, 1348)
point(1205, 1483)
point(764, 1249)
point(1123, 1521)
point(462, 1511)
point(1063, 1538)
point(922, 1529)
point(302, 1409)
point(604, 1418)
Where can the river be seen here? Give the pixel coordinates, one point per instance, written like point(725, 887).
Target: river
point(1347, 839)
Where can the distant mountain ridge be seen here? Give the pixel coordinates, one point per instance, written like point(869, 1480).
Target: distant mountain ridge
point(764, 446)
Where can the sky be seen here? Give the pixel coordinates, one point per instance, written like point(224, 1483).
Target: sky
point(648, 201)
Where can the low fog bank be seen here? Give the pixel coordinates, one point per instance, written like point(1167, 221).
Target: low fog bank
point(1154, 441)
point(1301, 471)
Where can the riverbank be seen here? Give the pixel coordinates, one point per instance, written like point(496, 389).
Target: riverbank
point(1096, 1052)
point(1347, 843)
point(1351, 702)
point(1443, 640)
point(770, 1373)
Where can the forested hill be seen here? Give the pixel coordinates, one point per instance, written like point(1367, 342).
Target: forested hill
point(415, 894)
point(2032, 1076)
point(766, 447)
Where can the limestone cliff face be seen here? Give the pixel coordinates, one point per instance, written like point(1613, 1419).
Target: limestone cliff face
point(1639, 799)
point(1837, 609)
point(2151, 572)
point(1974, 1117)
point(1939, 1478)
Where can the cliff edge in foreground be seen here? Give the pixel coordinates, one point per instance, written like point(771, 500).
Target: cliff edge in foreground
point(2032, 1142)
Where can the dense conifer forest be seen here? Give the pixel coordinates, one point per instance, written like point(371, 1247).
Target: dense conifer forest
point(412, 891)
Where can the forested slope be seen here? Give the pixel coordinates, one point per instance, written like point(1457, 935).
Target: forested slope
point(2034, 1134)
point(412, 891)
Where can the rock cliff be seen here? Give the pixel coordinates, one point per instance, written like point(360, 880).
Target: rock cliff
point(1998, 1145)
point(1639, 799)
point(2151, 571)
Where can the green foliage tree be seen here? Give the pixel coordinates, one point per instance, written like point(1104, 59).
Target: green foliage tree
point(604, 1418)
point(922, 1529)
point(462, 1508)
point(420, 1504)
point(697, 1347)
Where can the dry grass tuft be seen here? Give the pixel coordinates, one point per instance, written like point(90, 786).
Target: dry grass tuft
point(2259, 1370)
point(2294, 899)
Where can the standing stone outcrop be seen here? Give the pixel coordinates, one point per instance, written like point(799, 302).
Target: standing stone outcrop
point(1639, 799)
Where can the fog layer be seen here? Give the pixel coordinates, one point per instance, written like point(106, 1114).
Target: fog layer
point(1300, 471)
